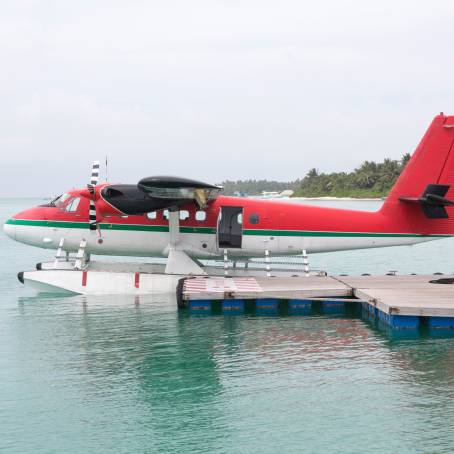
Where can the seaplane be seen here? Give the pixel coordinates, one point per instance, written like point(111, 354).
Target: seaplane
point(184, 222)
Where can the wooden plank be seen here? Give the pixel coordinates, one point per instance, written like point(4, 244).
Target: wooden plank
point(392, 282)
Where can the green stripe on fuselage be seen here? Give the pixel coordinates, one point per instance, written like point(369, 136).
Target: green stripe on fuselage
point(334, 234)
point(62, 224)
point(105, 226)
point(212, 230)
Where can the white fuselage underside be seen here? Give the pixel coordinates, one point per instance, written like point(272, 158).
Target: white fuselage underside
point(201, 245)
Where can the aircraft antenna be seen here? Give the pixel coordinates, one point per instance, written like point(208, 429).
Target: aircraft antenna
point(107, 173)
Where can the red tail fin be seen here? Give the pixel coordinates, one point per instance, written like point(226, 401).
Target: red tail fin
point(431, 164)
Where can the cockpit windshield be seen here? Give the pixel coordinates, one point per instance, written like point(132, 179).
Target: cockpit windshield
point(61, 201)
point(58, 202)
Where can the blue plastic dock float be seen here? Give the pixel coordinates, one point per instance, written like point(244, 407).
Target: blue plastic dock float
point(400, 321)
point(299, 304)
point(200, 305)
point(299, 307)
point(266, 305)
point(231, 306)
point(333, 307)
point(366, 315)
point(440, 323)
point(398, 334)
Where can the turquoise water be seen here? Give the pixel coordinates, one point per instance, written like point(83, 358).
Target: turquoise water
point(125, 375)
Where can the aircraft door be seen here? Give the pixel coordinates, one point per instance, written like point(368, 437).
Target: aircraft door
point(230, 227)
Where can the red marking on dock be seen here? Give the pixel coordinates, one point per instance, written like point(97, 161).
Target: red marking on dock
point(137, 280)
point(84, 278)
point(195, 285)
point(220, 284)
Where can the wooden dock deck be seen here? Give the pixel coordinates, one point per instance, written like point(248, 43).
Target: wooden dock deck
point(404, 295)
point(219, 288)
point(399, 301)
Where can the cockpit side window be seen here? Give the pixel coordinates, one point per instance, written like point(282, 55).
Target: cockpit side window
point(72, 205)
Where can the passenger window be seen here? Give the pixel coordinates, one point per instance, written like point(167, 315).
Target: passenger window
point(151, 215)
point(254, 218)
point(72, 206)
point(200, 216)
point(240, 218)
point(165, 214)
point(184, 215)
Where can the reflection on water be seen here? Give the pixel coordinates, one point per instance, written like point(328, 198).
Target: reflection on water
point(134, 375)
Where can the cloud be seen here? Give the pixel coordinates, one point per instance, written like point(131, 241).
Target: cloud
point(215, 89)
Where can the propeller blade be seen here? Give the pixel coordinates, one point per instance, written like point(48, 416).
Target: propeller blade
point(95, 173)
point(91, 187)
point(92, 215)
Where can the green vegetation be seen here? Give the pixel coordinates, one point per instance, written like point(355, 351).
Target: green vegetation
point(255, 187)
point(371, 179)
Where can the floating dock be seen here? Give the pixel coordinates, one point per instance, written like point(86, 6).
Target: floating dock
point(219, 288)
point(408, 301)
point(401, 302)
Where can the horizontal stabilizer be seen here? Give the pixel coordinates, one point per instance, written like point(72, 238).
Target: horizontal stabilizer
point(432, 201)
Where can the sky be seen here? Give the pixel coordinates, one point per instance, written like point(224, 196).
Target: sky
point(215, 90)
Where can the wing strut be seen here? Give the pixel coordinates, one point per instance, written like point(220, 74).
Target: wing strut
point(178, 261)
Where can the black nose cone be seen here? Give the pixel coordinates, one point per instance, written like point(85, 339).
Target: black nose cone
point(20, 276)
